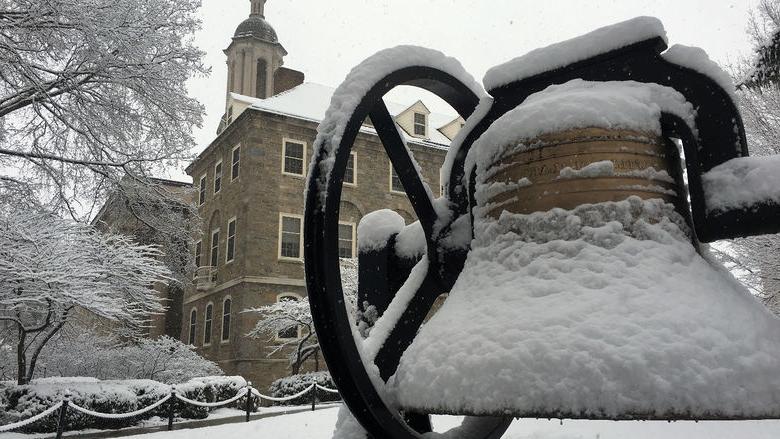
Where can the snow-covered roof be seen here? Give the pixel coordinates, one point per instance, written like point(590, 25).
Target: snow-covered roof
point(310, 100)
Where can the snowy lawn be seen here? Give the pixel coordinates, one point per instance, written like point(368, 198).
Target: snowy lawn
point(319, 425)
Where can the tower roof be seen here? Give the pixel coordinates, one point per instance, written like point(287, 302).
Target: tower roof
point(256, 27)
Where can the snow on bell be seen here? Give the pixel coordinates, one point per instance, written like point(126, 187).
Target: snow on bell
point(568, 241)
point(583, 294)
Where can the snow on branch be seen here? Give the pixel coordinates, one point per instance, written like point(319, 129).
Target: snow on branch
point(51, 269)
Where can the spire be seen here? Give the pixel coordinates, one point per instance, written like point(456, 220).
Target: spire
point(258, 8)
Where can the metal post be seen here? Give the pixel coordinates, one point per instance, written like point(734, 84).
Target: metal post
point(248, 399)
point(63, 413)
point(313, 396)
point(171, 404)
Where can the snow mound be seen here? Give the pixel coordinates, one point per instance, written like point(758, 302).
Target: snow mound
point(376, 228)
point(411, 242)
point(697, 59)
point(577, 104)
point(604, 310)
point(742, 182)
point(576, 49)
point(595, 169)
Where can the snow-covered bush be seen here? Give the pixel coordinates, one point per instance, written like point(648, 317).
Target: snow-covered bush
point(291, 385)
point(110, 396)
point(101, 396)
point(162, 359)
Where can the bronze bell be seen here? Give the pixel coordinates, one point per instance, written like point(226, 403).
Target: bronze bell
point(617, 163)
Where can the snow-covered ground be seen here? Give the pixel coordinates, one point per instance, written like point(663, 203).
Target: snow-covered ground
point(319, 425)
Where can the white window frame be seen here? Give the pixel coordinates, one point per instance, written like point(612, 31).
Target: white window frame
point(354, 228)
point(232, 164)
point(390, 181)
point(212, 247)
point(284, 155)
point(205, 320)
point(193, 327)
point(222, 339)
point(227, 240)
point(279, 298)
point(279, 238)
point(202, 190)
point(415, 124)
point(221, 174)
point(354, 183)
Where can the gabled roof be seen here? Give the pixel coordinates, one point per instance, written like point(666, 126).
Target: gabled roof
point(310, 101)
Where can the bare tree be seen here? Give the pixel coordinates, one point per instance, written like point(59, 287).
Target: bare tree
point(93, 100)
point(51, 269)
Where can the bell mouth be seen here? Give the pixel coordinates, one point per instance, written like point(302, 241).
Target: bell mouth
point(582, 166)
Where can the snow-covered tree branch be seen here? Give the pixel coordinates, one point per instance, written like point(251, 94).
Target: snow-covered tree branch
point(294, 317)
point(52, 269)
point(93, 100)
point(757, 259)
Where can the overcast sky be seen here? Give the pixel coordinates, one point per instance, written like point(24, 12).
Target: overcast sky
point(326, 38)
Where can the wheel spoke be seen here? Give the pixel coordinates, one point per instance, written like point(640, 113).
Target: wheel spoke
point(406, 327)
point(404, 166)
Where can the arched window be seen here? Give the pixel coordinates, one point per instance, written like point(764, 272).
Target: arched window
point(292, 332)
point(227, 304)
point(193, 325)
point(207, 324)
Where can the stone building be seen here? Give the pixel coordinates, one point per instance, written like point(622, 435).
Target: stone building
point(249, 187)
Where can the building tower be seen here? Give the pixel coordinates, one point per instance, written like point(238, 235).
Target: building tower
point(255, 58)
point(254, 64)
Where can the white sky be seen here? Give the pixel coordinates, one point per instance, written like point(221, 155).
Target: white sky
point(326, 38)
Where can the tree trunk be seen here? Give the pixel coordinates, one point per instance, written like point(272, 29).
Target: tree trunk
point(39, 348)
point(21, 359)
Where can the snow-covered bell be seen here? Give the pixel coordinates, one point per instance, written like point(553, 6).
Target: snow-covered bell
point(583, 294)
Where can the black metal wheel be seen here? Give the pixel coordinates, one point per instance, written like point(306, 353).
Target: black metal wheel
point(323, 278)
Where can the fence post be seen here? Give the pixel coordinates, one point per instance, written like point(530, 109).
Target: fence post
point(171, 404)
point(248, 399)
point(63, 413)
point(313, 396)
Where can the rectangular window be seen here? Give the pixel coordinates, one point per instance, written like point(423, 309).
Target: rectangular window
point(346, 239)
point(202, 190)
point(395, 182)
point(235, 163)
point(217, 177)
point(198, 252)
point(207, 324)
point(293, 157)
point(193, 326)
point(350, 173)
point(230, 245)
point(226, 305)
point(290, 237)
point(419, 124)
point(214, 248)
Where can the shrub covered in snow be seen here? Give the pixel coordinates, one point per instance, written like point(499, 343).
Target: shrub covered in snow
point(291, 385)
point(164, 359)
point(120, 396)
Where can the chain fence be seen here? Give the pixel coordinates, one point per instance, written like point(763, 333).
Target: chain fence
point(248, 392)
